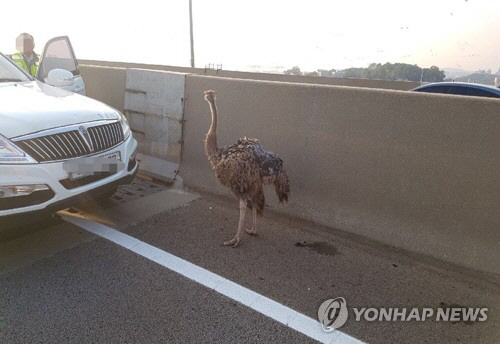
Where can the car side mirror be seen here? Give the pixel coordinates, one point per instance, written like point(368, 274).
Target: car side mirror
point(59, 78)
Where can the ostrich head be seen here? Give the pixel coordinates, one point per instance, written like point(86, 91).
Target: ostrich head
point(209, 96)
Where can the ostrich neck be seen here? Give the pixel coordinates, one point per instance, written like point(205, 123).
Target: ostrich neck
point(211, 139)
point(213, 125)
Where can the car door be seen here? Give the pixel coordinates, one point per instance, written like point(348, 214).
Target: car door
point(59, 67)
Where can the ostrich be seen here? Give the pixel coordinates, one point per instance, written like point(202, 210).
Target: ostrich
point(244, 167)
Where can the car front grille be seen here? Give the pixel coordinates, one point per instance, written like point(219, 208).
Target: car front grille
point(73, 143)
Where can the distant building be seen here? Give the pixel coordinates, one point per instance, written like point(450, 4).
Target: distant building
point(324, 72)
point(274, 69)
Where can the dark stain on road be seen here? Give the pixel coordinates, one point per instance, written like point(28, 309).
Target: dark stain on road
point(460, 314)
point(320, 247)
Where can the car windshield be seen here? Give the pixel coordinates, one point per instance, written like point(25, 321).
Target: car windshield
point(9, 72)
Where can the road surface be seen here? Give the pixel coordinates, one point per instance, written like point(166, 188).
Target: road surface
point(61, 283)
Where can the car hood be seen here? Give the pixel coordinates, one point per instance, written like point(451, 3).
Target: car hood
point(34, 106)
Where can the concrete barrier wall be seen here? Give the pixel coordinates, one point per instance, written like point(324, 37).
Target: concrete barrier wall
point(154, 106)
point(153, 103)
point(384, 84)
point(106, 84)
point(416, 171)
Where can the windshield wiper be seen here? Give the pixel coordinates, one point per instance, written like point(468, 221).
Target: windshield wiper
point(10, 79)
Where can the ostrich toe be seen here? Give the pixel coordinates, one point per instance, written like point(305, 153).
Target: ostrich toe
point(233, 242)
point(251, 231)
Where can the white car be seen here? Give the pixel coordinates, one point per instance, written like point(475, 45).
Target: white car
point(57, 145)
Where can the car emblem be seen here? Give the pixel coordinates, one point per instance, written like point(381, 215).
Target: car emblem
point(84, 133)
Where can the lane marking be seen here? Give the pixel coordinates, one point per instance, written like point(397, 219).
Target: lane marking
point(245, 296)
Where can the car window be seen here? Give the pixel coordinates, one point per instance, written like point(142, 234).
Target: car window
point(58, 55)
point(435, 89)
point(9, 71)
point(472, 91)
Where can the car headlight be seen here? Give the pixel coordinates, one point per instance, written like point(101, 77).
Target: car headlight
point(11, 154)
point(125, 125)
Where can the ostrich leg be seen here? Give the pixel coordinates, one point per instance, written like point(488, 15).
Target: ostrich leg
point(253, 231)
point(236, 240)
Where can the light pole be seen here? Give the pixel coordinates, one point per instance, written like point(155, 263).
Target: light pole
point(191, 31)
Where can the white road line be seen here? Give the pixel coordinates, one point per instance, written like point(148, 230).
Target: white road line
point(245, 296)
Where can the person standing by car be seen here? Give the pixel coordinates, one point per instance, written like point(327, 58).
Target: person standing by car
point(26, 58)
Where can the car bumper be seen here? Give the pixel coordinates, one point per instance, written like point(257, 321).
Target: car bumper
point(61, 194)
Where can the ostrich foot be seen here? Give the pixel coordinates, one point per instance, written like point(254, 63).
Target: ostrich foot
point(251, 231)
point(236, 240)
point(233, 242)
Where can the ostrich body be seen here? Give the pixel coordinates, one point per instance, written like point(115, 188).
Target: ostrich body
point(245, 167)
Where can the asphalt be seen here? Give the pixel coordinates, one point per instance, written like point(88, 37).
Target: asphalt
point(74, 287)
point(99, 293)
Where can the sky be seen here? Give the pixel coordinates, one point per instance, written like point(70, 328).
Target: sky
point(267, 35)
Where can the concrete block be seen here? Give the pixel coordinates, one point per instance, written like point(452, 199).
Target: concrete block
point(135, 101)
point(154, 101)
point(157, 168)
point(163, 92)
point(136, 120)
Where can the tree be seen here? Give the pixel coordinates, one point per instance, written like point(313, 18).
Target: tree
point(359, 73)
point(396, 71)
point(433, 74)
point(295, 71)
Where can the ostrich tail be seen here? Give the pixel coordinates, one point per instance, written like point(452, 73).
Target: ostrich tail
point(282, 186)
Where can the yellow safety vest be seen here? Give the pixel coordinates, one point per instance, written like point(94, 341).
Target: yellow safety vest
point(19, 60)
